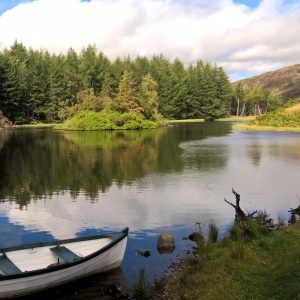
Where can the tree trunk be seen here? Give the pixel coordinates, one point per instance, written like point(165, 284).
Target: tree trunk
point(238, 107)
point(243, 109)
point(259, 111)
point(239, 213)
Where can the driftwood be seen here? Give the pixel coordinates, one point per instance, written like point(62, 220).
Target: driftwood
point(295, 211)
point(240, 215)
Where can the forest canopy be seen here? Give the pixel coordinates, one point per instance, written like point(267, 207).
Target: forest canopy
point(40, 86)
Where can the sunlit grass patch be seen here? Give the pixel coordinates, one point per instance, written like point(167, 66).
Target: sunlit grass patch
point(186, 121)
point(247, 127)
point(35, 126)
point(237, 118)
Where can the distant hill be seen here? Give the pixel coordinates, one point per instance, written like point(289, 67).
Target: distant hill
point(286, 81)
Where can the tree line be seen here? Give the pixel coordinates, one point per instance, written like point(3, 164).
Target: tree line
point(40, 86)
point(254, 101)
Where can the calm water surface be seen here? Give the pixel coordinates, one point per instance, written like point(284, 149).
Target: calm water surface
point(56, 185)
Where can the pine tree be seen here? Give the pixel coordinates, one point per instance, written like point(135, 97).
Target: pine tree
point(160, 70)
point(194, 99)
point(223, 92)
point(178, 91)
point(72, 77)
point(127, 98)
point(149, 97)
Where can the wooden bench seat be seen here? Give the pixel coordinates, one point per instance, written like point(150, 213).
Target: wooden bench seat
point(66, 254)
point(8, 267)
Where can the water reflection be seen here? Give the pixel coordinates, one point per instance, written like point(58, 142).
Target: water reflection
point(107, 286)
point(4, 136)
point(38, 164)
point(255, 154)
point(56, 185)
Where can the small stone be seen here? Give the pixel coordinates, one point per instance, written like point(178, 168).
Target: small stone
point(165, 243)
point(143, 252)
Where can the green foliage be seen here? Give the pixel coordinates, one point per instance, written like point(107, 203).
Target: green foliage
point(264, 268)
point(279, 118)
point(105, 120)
point(237, 250)
point(86, 100)
point(149, 97)
point(248, 230)
point(39, 86)
point(213, 232)
point(209, 92)
point(141, 289)
point(256, 101)
point(127, 98)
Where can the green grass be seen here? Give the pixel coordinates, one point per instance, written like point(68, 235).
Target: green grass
point(237, 119)
point(251, 127)
point(228, 119)
point(264, 267)
point(35, 126)
point(185, 121)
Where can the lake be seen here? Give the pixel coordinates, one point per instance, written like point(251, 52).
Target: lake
point(57, 185)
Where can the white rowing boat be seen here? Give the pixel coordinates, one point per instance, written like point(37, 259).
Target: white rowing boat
point(31, 268)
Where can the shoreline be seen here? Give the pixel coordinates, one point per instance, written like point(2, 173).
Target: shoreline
point(247, 127)
point(238, 269)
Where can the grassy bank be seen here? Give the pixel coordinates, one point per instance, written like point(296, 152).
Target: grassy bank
point(237, 119)
point(266, 265)
point(253, 127)
point(228, 119)
point(35, 126)
point(185, 121)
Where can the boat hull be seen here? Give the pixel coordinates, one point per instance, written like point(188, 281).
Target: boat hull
point(107, 260)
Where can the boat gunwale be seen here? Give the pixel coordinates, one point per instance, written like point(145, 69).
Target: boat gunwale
point(120, 236)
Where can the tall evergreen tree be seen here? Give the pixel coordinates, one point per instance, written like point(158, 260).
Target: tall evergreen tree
point(179, 90)
point(160, 69)
point(194, 97)
point(128, 98)
point(149, 97)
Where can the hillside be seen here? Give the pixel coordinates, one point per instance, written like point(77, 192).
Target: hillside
point(285, 80)
point(294, 108)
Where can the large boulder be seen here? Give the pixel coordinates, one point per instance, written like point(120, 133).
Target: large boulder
point(165, 243)
point(4, 122)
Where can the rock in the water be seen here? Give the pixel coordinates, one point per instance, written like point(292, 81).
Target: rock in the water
point(195, 236)
point(165, 243)
point(143, 252)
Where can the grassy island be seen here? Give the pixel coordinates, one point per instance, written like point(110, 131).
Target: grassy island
point(105, 120)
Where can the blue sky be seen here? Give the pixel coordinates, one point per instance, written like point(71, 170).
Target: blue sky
point(8, 4)
point(250, 3)
point(244, 41)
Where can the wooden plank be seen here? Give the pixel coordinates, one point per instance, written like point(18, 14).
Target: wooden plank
point(8, 267)
point(66, 254)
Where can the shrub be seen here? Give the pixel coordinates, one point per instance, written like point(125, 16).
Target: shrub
point(106, 120)
point(279, 118)
point(212, 232)
point(248, 230)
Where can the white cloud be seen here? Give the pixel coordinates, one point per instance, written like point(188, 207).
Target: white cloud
point(237, 37)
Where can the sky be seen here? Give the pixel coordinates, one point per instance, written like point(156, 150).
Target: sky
point(246, 37)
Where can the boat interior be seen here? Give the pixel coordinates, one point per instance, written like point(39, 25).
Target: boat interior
point(30, 259)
